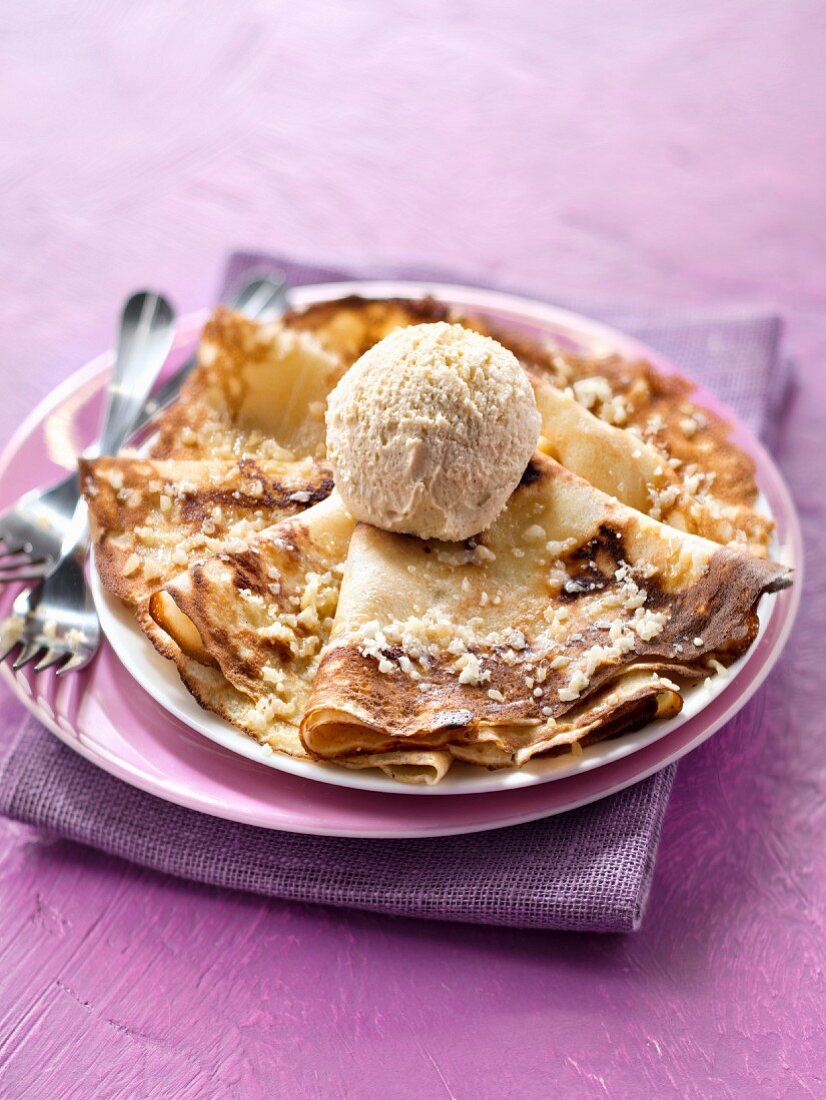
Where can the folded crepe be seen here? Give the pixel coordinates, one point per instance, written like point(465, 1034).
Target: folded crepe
point(568, 621)
point(150, 517)
point(258, 390)
point(637, 473)
point(240, 449)
point(246, 630)
point(261, 615)
point(574, 617)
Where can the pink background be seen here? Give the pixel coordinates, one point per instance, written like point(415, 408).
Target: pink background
point(659, 153)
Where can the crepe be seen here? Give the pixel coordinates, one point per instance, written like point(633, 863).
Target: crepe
point(258, 390)
point(636, 472)
point(574, 617)
point(260, 614)
point(659, 408)
point(242, 447)
point(572, 604)
point(246, 631)
point(577, 616)
point(707, 485)
point(150, 517)
point(347, 327)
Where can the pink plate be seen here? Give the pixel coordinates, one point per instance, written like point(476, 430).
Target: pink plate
point(106, 717)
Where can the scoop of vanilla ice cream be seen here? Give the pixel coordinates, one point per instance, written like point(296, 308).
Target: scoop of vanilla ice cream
point(430, 431)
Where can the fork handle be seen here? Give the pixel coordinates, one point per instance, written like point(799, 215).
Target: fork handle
point(144, 341)
point(146, 335)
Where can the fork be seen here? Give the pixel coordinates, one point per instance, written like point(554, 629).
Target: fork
point(32, 531)
point(57, 616)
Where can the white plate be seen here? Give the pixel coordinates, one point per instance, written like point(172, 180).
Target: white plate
point(160, 679)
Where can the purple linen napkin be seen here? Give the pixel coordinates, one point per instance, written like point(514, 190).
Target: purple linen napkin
point(587, 870)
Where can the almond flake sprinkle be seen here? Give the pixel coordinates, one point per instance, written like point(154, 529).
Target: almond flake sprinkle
point(131, 565)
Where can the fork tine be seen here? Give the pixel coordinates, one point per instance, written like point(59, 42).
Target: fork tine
point(75, 662)
point(51, 657)
point(10, 562)
point(28, 653)
point(7, 647)
point(12, 575)
point(23, 569)
point(9, 549)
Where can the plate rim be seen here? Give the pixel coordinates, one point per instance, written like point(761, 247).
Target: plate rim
point(615, 341)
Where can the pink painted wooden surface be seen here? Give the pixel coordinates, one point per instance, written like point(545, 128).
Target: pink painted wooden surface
point(655, 153)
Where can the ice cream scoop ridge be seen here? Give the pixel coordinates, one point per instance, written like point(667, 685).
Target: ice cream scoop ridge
point(430, 431)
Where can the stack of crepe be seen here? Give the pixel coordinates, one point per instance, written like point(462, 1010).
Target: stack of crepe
point(628, 563)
